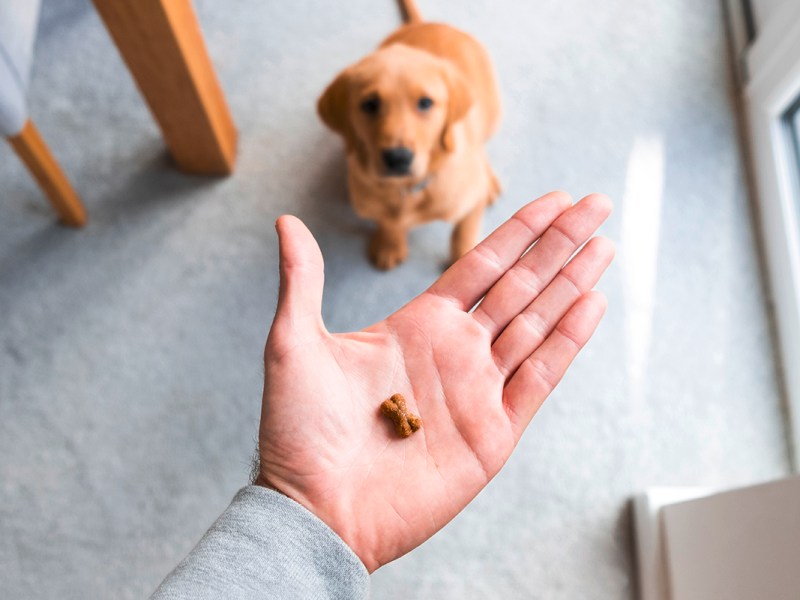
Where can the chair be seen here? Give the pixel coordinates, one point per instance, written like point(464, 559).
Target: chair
point(161, 43)
point(18, 21)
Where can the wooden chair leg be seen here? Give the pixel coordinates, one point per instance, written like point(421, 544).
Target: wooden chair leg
point(161, 42)
point(33, 151)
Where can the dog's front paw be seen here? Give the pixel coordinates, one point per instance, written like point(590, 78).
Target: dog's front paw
point(386, 252)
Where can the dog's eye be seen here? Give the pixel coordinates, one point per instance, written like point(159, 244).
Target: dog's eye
point(371, 106)
point(424, 103)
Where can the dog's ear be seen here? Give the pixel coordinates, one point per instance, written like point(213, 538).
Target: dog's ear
point(458, 104)
point(334, 108)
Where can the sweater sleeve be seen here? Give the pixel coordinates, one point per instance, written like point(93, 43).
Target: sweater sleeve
point(266, 545)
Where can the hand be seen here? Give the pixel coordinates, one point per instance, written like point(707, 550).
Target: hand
point(475, 378)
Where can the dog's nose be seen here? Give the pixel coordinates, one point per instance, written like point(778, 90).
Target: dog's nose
point(397, 160)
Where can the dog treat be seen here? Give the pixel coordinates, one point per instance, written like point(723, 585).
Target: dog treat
point(395, 409)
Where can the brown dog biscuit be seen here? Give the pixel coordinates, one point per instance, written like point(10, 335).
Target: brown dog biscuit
point(405, 423)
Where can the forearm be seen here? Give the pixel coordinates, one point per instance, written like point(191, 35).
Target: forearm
point(265, 545)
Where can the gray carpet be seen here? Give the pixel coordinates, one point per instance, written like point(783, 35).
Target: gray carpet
point(130, 375)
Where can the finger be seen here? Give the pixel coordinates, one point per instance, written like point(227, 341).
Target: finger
point(534, 271)
point(476, 272)
point(539, 374)
point(302, 278)
point(531, 327)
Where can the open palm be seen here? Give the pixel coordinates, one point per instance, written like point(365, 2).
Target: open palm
point(475, 377)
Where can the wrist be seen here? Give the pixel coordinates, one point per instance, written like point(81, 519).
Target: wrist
point(262, 481)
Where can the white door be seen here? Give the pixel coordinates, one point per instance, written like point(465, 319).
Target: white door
point(771, 64)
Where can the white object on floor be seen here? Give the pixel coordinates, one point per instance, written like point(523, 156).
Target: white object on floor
point(737, 545)
point(650, 556)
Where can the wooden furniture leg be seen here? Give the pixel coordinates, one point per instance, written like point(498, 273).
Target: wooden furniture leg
point(33, 151)
point(161, 42)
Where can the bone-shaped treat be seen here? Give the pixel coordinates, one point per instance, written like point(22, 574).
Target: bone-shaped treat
point(395, 409)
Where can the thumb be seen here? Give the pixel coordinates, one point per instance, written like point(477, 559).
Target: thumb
point(302, 278)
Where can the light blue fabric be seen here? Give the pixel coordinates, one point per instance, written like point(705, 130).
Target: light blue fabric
point(18, 20)
point(266, 545)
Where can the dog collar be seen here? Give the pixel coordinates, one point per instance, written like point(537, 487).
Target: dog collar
point(418, 187)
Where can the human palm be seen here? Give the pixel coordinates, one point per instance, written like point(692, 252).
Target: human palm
point(475, 377)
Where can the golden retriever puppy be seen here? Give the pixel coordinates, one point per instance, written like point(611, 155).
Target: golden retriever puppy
point(415, 115)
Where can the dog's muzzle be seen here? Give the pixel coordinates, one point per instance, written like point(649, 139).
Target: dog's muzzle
point(397, 160)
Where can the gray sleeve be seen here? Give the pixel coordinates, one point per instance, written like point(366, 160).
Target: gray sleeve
point(266, 545)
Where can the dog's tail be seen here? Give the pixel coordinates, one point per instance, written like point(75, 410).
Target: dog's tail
point(410, 11)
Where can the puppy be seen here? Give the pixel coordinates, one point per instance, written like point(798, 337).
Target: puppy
point(415, 115)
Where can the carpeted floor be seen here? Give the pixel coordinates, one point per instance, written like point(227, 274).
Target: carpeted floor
point(130, 375)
